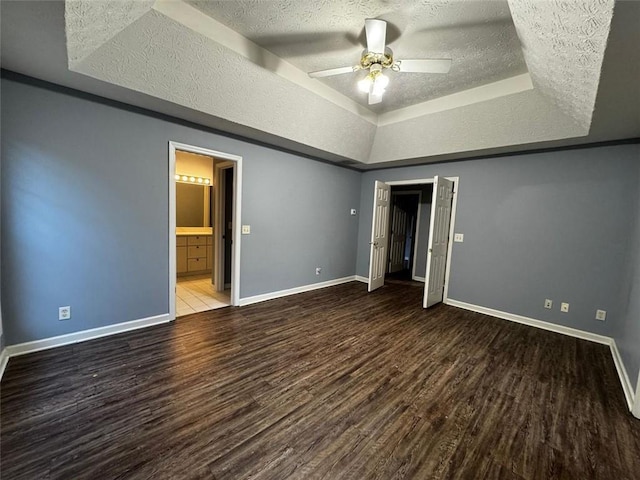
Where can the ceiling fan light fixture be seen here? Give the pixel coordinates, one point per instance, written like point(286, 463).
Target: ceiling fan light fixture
point(375, 82)
point(377, 57)
point(364, 85)
point(381, 81)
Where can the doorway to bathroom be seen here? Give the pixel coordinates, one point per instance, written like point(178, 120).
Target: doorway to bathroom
point(203, 207)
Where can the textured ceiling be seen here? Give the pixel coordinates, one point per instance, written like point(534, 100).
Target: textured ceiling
point(83, 36)
point(479, 37)
point(148, 57)
point(564, 42)
point(171, 57)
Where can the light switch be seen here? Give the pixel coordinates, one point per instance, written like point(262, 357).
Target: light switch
point(246, 229)
point(458, 237)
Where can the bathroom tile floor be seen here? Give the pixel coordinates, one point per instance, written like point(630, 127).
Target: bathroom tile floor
point(197, 294)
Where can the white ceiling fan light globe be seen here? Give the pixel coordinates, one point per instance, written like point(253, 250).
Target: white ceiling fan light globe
point(381, 81)
point(364, 85)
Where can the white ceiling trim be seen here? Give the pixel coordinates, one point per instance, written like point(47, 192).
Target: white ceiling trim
point(201, 23)
point(501, 88)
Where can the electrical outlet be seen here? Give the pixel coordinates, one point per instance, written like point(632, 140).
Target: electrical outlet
point(458, 237)
point(64, 313)
point(246, 229)
point(601, 315)
point(564, 307)
point(353, 211)
point(318, 270)
point(548, 303)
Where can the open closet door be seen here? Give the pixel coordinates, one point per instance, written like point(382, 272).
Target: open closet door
point(438, 241)
point(379, 238)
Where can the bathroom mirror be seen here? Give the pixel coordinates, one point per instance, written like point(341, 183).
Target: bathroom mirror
point(193, 205)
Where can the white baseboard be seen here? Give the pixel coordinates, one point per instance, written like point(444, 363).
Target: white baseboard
point(552, 327)
point(622, 374)
point(572, 332)
point(4, 359)
point(292, 291)
point(362, 279)
point(84, 335)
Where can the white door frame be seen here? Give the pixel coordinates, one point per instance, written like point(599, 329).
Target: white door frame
point(220, 227)
point(456, 182)
point(237, 209)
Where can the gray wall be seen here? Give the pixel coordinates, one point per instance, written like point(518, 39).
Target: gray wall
point(627, 332)
point(85, 213)
point(85, 220)
point(548, 225)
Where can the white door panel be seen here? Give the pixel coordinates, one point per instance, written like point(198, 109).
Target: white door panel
point(379, 238)
point(438, 241)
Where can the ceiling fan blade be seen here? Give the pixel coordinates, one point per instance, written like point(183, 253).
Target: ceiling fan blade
point(376, 34)
point(375, 98)
point(425, 65)
point(332, 71)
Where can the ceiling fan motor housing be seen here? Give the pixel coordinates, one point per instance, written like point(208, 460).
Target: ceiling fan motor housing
point(385, 59)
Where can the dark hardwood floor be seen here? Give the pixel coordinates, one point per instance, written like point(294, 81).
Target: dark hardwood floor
point(335, 384)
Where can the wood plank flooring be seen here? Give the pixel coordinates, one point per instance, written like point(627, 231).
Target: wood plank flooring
point(335, 384)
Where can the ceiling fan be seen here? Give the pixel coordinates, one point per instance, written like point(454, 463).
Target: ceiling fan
point(377, 57)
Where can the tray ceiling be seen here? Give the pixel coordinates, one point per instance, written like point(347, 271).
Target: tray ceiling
point(479, 37)
point(523, 71)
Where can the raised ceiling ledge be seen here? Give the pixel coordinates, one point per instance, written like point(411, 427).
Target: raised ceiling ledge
point(201, 23)
point(160, 57)
point(501, 88)
point(518, 119)
point(160, 48)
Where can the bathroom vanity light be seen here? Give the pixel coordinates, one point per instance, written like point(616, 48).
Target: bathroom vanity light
point(189, 179)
